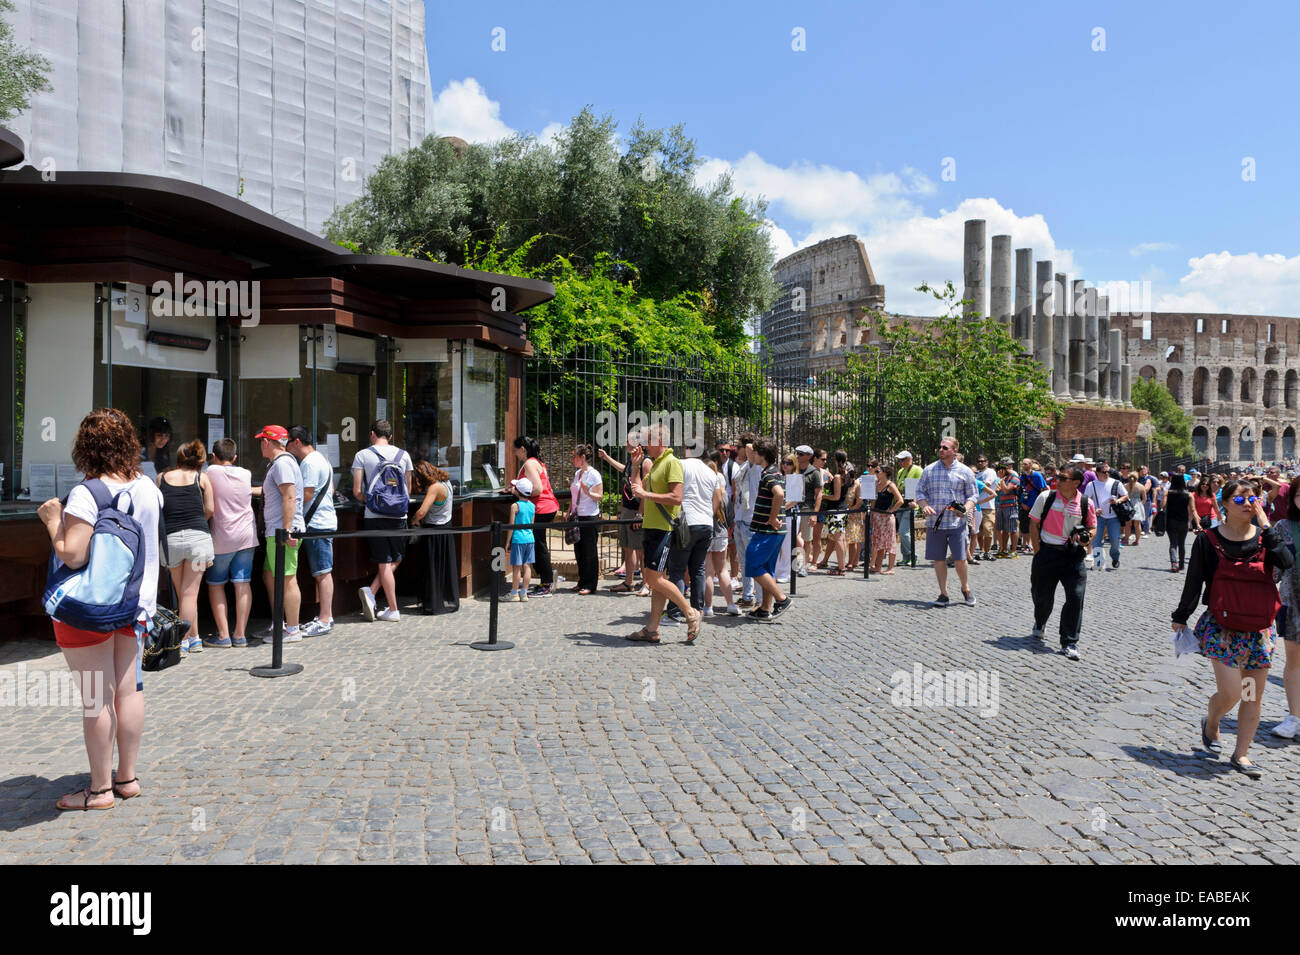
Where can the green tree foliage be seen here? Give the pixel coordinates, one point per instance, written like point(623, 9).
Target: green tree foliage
point(636, 215)
point(22, 72)
point(1173, 426)
point(951, 375)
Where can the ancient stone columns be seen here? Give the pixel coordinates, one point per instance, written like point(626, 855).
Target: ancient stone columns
point(1043, 319)
point(1000, 281)
point(1116, 359)
point(1090, 345)
point(974, 264)
point(1061, 340)
point(1024, 322)
point(1103, 348)
point(1076, 349)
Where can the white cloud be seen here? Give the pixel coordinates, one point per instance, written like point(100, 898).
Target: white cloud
point(1247, 284)
point(463, 109)
point(550, 132)
point(1142, 248)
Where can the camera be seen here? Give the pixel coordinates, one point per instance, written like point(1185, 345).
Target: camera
point(958, 507)
point(1081, 535)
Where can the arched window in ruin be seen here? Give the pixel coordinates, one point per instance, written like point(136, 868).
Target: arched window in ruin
point(1225, 384)
point(1175, 384)
point(841, 333)
point(1248, 385)
point(1288, 443)
point(1270, 388)
point(1200, 385)
point(1174, 354)
point(819, 335)
point(1270, 355)
point(1200, 438)
point(1268, 444)
point(1246, 443)
point(1291, 387)
point(1147, 372)
point(1222, 444)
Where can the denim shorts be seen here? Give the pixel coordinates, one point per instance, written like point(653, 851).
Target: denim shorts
point(522, 554)
point(319, 552)
point(189, 547)
point(235, 567)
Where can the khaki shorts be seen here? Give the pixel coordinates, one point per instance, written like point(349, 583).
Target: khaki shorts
point(987, 520)
point(629, 536)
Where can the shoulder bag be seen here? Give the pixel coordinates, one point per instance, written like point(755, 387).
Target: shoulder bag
point(162, 644)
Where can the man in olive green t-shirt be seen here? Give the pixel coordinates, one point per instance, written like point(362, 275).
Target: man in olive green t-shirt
point(662, 491)
point(903, 516)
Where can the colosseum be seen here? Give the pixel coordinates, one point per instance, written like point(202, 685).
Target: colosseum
point(1238, 375)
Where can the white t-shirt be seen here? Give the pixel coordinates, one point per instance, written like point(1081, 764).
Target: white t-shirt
point(794, 489)
point(990, 479)
point(698, 482)
point(1099, 493)
point(316, 471)
point(146, 504)
point(584, 504)
point(283, 470)
point(369, 460)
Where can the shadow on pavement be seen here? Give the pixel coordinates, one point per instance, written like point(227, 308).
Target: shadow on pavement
point(1049, 644)
point(30, 800)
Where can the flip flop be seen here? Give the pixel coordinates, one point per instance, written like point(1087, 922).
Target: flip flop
point(85, 800)
point(643, 636)
point(623, 588)
point(125, 782)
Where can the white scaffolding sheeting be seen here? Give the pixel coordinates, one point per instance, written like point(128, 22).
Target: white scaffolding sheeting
point(143, 112)
point(378, 115)
point(321, 156)
point(288, 117)
point(221, 96)
point(99, 85)
point(55, 126)
point(255, 101)
point(183, 91)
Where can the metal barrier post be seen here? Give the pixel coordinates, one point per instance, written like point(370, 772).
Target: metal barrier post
point(866, 538)
point(911, 517)
point(494, 592)
point(278, 667)
point(794, 539)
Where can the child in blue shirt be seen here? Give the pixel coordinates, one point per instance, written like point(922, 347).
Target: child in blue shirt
point(521, 542)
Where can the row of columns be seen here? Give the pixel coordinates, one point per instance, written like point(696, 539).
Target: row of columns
point(1064, 325)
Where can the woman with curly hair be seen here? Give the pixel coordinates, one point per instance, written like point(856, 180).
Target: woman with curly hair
point(107, 450)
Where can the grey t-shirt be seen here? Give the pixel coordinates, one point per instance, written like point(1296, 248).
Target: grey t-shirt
point(370, 460)
point(283, 470)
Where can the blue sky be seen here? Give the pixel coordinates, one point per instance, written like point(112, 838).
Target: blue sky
point(1123, 164)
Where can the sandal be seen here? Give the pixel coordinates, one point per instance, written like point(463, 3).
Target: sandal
point(693, 627)
point(85, 800)
point(644, 635)
point(623, 588)
point(126, 782)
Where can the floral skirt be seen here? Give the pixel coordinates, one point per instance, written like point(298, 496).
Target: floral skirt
point(855, 528)
point(835, 523)
point(1237, 649)
point(884, 535)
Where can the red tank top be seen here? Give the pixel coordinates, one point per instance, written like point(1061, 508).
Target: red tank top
point(545, 501)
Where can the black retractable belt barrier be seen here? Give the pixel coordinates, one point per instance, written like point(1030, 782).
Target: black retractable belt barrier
point(278, 667)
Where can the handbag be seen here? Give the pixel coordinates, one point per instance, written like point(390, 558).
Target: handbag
point(1158, 523)
point(572, 535)
point(681, 530)
point(162, 644)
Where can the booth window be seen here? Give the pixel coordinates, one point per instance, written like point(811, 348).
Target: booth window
point(13, 335)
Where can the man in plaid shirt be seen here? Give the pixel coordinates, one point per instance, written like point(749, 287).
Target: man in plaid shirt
point(949, 484)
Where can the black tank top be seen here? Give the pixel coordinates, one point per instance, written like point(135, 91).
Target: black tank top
point(884, 500)
point(630, 500)
point(183, 507)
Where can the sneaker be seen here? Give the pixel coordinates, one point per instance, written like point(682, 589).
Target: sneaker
point(316, 628)
point(970, 598)
point(1114, 564)
point(217, 642)
point(779, 607)
point(733, 610)
point(239, 641)
point(547, 591)
point(367, 603)
point(1013, 556)
point(736, 585)
point(193, 645)
point(292, 635)
point(988, 556)
point(708, 611)
point(974, 558)
point(1071, 651)
point(1287, 728)
point(940, 601)
point(388, 615)
point(523, 596)
point(759, 614)
point(783, 580)
point(1037, 632)
point(803, 572)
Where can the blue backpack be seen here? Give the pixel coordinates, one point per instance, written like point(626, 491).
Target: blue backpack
point(387, 493)
point(102, 595)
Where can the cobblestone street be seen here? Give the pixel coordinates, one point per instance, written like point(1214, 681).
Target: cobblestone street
point(765, 743)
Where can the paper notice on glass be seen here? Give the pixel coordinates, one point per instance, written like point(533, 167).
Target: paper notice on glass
point(910, 486)
point(381, 408)
point(67, 478)
point(41, 482)
point(471, 436)
point(332, 450)
point(212, 398)
point(867, 487)
point(216, 430)
point(501, 454)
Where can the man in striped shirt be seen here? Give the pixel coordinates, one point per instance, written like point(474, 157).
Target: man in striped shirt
point(946, 494)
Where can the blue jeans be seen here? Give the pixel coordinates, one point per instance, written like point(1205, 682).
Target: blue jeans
point(1111, 527)
point(903, 521)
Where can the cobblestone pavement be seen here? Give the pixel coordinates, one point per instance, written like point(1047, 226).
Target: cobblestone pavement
point(766, 742)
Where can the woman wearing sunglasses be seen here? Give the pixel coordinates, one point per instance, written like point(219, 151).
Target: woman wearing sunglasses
point(1233, 564)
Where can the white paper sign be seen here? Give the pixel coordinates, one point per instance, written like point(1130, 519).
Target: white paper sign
point(212, 397)
point(867, 487)
point(67, 478)
point(41, 482)
point(910, 486)
point(501, 454)
point(381, 408)
point(332, 450)
point(330, 341)
point(216, 429)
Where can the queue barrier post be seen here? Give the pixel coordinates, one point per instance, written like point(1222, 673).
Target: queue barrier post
point(278, 667)
point(866, 538)
point(494, 598)
point(794, 539)
point(911, 517)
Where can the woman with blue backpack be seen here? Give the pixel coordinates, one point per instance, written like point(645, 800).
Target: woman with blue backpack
point(102, 607)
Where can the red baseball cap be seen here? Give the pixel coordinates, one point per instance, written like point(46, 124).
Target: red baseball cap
point(274, 432)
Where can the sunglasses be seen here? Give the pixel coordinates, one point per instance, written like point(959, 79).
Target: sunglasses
point(1244, 500)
